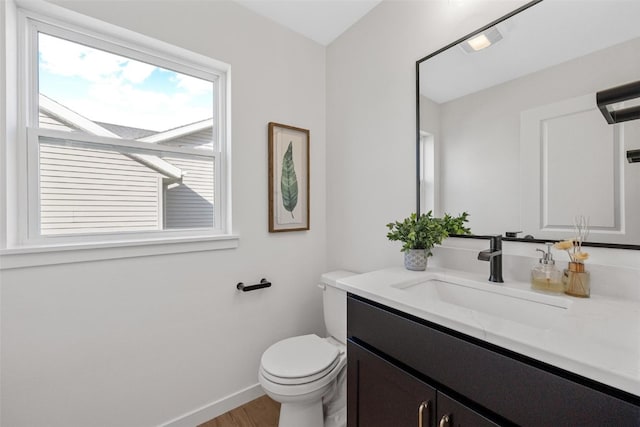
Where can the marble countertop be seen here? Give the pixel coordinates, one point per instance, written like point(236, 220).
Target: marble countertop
point(597, 337)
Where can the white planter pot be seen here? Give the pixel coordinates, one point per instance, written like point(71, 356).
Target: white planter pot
point(415, 259)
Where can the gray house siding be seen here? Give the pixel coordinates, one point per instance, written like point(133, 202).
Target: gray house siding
point(190, 204)
point(88, 191)
point(194, 140)
point(48, 122)
point(84, 190)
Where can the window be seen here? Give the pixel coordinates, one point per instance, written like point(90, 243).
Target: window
point(428, 200)
point(121, 139)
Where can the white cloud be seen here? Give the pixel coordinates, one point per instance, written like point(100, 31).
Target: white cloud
point(113, 96)
point(194, 85)
point(128, 106)
point(137, 72)
point(68, 59)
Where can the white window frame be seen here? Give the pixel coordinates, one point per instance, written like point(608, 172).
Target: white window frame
point(428, 174)
point(34, 16)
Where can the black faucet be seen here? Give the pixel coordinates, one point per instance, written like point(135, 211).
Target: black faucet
point(494, 256)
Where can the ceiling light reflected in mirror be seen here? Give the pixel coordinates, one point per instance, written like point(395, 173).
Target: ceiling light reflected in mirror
point(481, 41)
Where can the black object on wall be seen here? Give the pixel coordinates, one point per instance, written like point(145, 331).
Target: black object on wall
point(633, 156)
point(605, 98)
point(264, 283)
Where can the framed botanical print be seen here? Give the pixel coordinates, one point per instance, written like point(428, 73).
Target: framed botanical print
point(288, 178)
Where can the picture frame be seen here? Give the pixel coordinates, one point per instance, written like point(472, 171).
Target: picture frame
point(288, 178)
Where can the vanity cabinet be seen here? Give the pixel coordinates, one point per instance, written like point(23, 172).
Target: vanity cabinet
point(400, 366)
point(384, 395)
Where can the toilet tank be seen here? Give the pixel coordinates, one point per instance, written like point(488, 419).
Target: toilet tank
point(334, 303)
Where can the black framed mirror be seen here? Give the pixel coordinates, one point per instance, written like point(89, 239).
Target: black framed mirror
point(511, 125)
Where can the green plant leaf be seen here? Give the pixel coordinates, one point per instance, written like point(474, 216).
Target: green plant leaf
point(456, 225)
point(426, 231)
point(415, 232)
point(289, 181)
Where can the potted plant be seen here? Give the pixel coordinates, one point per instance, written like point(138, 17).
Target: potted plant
point(420, 234)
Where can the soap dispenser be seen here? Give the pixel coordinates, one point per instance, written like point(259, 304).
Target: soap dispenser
point(546, 276)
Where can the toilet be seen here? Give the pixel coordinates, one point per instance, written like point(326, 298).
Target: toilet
point(307, 374)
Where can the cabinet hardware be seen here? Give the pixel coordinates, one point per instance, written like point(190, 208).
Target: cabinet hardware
point(423, 406)
point(444, 421)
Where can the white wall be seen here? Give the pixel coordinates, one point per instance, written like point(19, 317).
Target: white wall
point(371, 120)
point(138, 342)
point(371, 143)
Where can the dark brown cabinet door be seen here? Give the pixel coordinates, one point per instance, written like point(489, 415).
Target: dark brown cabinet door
point(382, 395)
point(451, 413)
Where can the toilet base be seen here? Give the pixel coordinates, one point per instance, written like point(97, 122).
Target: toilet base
point(302, 410)
point(302, 405)
point(301, 414)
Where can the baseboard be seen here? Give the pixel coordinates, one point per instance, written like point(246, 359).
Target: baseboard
point(214, 409)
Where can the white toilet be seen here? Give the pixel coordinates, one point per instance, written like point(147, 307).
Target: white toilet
point(307, 374)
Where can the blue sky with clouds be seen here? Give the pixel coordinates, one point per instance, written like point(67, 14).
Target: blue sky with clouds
point(110, 88)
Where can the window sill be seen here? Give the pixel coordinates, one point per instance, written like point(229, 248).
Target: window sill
point(33, 256)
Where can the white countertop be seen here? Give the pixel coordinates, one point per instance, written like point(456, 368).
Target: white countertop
point(597, 337)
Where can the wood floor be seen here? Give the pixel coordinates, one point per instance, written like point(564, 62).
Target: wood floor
point(261, 412)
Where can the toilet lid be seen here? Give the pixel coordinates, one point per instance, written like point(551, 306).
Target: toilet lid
point(299, 357)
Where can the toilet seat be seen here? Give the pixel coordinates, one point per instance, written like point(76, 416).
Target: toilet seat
point(302, 388)
point(299, 360)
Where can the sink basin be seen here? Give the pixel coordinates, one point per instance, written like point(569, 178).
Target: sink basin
point(516, 305)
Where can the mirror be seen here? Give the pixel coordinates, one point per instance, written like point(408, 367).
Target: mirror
point(510, 131)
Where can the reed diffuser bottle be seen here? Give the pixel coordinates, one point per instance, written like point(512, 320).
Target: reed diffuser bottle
point(575, 278)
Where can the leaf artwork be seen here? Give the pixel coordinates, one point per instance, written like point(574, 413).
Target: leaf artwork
point(289, 181)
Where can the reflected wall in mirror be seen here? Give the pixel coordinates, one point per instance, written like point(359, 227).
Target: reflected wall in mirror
point(512, 134)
